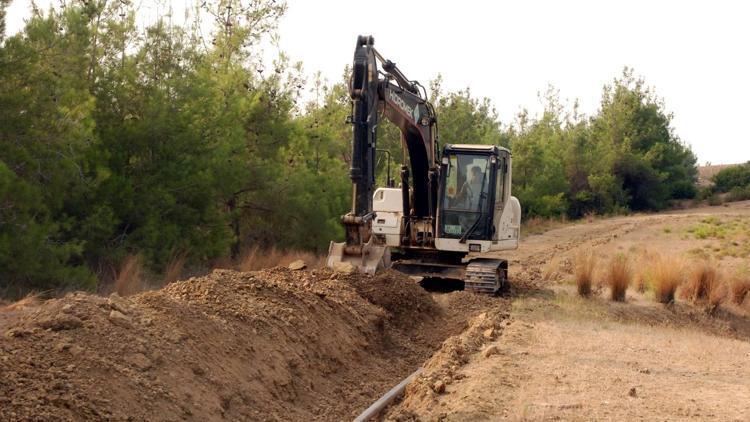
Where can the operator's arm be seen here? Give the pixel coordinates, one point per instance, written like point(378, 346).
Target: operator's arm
point(465, 194)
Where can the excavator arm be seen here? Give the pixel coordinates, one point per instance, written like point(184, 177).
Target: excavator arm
point(415, 118)
point(404, 105)
point(364, 93)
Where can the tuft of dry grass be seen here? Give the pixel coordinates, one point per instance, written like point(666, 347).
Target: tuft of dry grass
point(256, 259)
point(641, 268)
point(174, 267)
point(31, 300)
point(740, 290)
point(128, 279)
point(666, 275)
point(716, 297)
point(618, 277)
point(583, 271)
point(702, 281)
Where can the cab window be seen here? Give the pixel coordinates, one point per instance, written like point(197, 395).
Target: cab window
point(500, 182)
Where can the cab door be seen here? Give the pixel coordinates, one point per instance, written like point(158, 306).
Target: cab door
point(500, 193)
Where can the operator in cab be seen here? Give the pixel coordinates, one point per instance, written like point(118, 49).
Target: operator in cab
point(472, 189)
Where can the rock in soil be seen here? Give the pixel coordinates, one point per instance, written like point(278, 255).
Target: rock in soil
point(490, 350)
point(489, 333)
point(297, 265)
point(59, 322)
point(118, 318)
point(438, 387)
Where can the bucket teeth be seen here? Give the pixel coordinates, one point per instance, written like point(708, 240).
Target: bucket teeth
point(372, 259)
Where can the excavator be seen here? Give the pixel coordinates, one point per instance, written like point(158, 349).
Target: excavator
point(453, 210)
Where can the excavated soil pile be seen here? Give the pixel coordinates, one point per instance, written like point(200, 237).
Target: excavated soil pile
point(443, 368)
point(268, 345)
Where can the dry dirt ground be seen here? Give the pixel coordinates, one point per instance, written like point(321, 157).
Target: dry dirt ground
point(315, 345)
point(560, 357)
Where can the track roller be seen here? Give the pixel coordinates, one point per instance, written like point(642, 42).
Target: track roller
point(486, 275)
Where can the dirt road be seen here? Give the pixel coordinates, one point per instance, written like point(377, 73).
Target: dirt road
point(560, 357)
point(316, 345)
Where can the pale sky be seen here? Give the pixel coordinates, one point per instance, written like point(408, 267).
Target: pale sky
point(695, 54)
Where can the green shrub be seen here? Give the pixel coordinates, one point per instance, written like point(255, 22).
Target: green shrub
point(715, 200)
point(739, 193)
point(704, 193)
point(732, 177)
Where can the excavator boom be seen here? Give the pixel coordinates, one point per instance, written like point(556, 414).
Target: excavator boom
point(411, 113)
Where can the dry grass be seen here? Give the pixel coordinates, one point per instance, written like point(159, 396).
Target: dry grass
point(224, 263)
point(174, 267)
point(618, 277)
point(128, 279)
point(641, 269)
point(583, 271)
point(739, 290)
point(537, 225)
point(256, 259)
point(716, 297)
point(639, 281)
point(666, 275)
point(31, 300)
point(702, 281)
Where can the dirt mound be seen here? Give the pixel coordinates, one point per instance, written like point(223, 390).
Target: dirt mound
point(267, 345)
point(443, 368)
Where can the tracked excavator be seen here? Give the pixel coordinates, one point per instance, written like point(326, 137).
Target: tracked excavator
point(453, 211)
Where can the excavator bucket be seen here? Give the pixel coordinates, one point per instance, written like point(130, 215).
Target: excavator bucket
point(371, 259)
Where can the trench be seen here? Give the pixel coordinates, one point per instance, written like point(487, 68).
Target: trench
point(441, 285)
point(453, 309)
point(408, 343)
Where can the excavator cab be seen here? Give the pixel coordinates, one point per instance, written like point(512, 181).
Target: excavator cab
point(474, 192)
point(467, 180)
